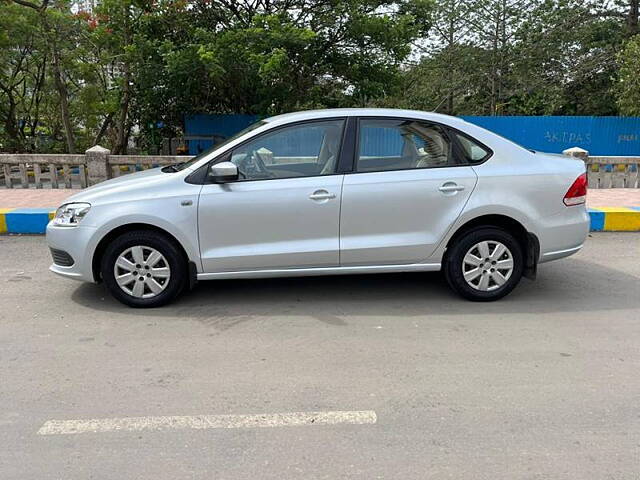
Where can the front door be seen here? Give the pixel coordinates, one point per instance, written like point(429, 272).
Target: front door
point(408, 188)
point(284, 211)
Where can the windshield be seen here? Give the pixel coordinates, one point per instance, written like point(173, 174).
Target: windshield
point(182, 166)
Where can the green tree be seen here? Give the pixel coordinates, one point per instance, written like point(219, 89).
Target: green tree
point(628, 87)
point(268, 57)
point(22, 77)
point(73, 74)
point(57, 32)
point(502, 57)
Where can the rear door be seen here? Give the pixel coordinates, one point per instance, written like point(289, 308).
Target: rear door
point(410, 183)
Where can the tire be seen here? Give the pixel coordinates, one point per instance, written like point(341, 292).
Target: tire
point(159, 277)
point(490, 282)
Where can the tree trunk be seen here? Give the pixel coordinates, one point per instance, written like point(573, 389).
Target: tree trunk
point(122, 129)
point(61, 87)
point(11, 127)
point(64, 100)
point(494, 65)
point(451, 52)
point(103, 129)
point(632, 18)
point(35, 118)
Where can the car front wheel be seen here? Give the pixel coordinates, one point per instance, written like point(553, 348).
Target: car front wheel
point(484, 264)
point(144, 269)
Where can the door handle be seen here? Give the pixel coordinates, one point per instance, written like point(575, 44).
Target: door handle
point(450, 187)
point(322, 195)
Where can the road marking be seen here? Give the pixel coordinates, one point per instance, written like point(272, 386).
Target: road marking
point(136, 424)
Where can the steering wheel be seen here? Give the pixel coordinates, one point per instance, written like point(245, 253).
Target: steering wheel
point(253, 162)
point(259, 163)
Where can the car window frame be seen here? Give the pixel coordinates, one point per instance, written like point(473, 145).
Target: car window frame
point(461, 158)
point(203, 177)
point(349, 148)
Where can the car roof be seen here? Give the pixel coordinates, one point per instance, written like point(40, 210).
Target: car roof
point(363, 112)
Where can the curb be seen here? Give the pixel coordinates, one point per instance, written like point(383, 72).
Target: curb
point(25, 220)
point(615, 219)
point(34, 220)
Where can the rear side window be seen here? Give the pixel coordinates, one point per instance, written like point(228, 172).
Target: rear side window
point(396, 144)
point(473, 152)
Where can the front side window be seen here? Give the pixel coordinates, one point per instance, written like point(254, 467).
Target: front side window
point(391, 144)
point(201, 155)
point(304, 150)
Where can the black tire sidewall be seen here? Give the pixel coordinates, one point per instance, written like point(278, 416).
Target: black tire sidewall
point(456, 253)
point(155, 240)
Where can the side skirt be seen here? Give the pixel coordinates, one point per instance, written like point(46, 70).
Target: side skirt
point(308, 272)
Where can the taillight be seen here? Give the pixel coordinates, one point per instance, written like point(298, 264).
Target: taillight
point(577, 193)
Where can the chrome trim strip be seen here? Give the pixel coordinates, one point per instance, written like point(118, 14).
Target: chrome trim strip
point(568, 251)
point(301, 272)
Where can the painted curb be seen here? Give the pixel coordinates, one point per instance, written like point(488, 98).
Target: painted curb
point(25, 220)
point(615, 219)
point(34, 220)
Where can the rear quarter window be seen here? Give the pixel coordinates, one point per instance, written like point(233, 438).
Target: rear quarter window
point(474, 152)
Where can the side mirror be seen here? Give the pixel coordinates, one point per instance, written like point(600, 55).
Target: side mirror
point(223, 172)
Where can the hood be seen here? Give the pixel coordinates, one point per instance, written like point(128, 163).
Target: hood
point(120, 186)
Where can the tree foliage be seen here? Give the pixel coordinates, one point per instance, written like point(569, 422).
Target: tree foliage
point(629, 78)
point(519, 57)
point(125, 72)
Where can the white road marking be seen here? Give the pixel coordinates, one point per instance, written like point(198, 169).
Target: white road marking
point(136, 424)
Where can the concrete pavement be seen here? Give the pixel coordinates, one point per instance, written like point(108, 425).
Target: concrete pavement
point(33, 198)
point(541, 385)
point(609, 197)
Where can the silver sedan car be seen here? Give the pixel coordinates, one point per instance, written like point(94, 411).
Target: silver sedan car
point(329, 192)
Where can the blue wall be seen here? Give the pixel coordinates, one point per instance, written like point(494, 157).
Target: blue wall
point(598, 135)
point(299, 141)
point(217, 127)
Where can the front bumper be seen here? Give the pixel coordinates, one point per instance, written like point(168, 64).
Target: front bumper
point(77, 242)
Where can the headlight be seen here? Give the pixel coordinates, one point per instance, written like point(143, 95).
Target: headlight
point(71, 214)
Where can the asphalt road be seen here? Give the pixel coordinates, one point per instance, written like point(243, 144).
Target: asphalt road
point(544, 384)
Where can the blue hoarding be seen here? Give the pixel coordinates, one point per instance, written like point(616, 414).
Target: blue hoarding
point(618, 136)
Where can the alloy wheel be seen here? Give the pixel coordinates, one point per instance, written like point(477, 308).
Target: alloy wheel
point(142, 271)
point(487, 265)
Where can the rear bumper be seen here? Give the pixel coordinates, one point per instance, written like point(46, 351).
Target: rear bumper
point(563, 234)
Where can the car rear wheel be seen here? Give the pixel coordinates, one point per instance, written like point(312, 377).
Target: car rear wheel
point(144, 269)
point(484, 264)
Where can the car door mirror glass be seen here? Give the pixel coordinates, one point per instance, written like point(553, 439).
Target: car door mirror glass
point(223, 172)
